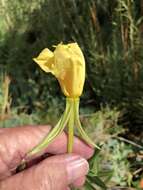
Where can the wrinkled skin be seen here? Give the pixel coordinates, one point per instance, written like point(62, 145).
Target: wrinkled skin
point(56, 172)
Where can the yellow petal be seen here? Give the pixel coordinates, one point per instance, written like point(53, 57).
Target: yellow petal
point(70, 69)
point(46, 60)
point(68, 65)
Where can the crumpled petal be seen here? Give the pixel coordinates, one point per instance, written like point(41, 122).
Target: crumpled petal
point(70, 69)
point(46, 60)
point(67, 64)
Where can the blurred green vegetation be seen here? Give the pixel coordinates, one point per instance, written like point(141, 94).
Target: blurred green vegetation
point(110, 34)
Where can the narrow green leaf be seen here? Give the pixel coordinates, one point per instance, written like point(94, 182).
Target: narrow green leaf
point(57, 130)
point(96, 180)
point(80, 129)
point(89, 186)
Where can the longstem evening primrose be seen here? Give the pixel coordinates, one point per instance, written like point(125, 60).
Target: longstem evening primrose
point(67, 64)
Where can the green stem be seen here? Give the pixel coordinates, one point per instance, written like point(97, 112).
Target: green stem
point(71, 126)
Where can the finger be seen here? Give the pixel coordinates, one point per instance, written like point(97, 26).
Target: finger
point(79, 182)
point(16, 142)
point(56, 172)
point(2, 130)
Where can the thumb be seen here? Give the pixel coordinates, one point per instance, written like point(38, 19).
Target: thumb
point(54, 173)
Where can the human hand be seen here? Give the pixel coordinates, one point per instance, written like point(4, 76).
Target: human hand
point(56, 172)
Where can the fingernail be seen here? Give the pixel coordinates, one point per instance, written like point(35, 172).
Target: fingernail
point(76, 167)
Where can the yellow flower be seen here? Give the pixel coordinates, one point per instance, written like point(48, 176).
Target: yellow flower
point(67, 64)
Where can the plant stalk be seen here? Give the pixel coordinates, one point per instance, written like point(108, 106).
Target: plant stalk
point(71, 126)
